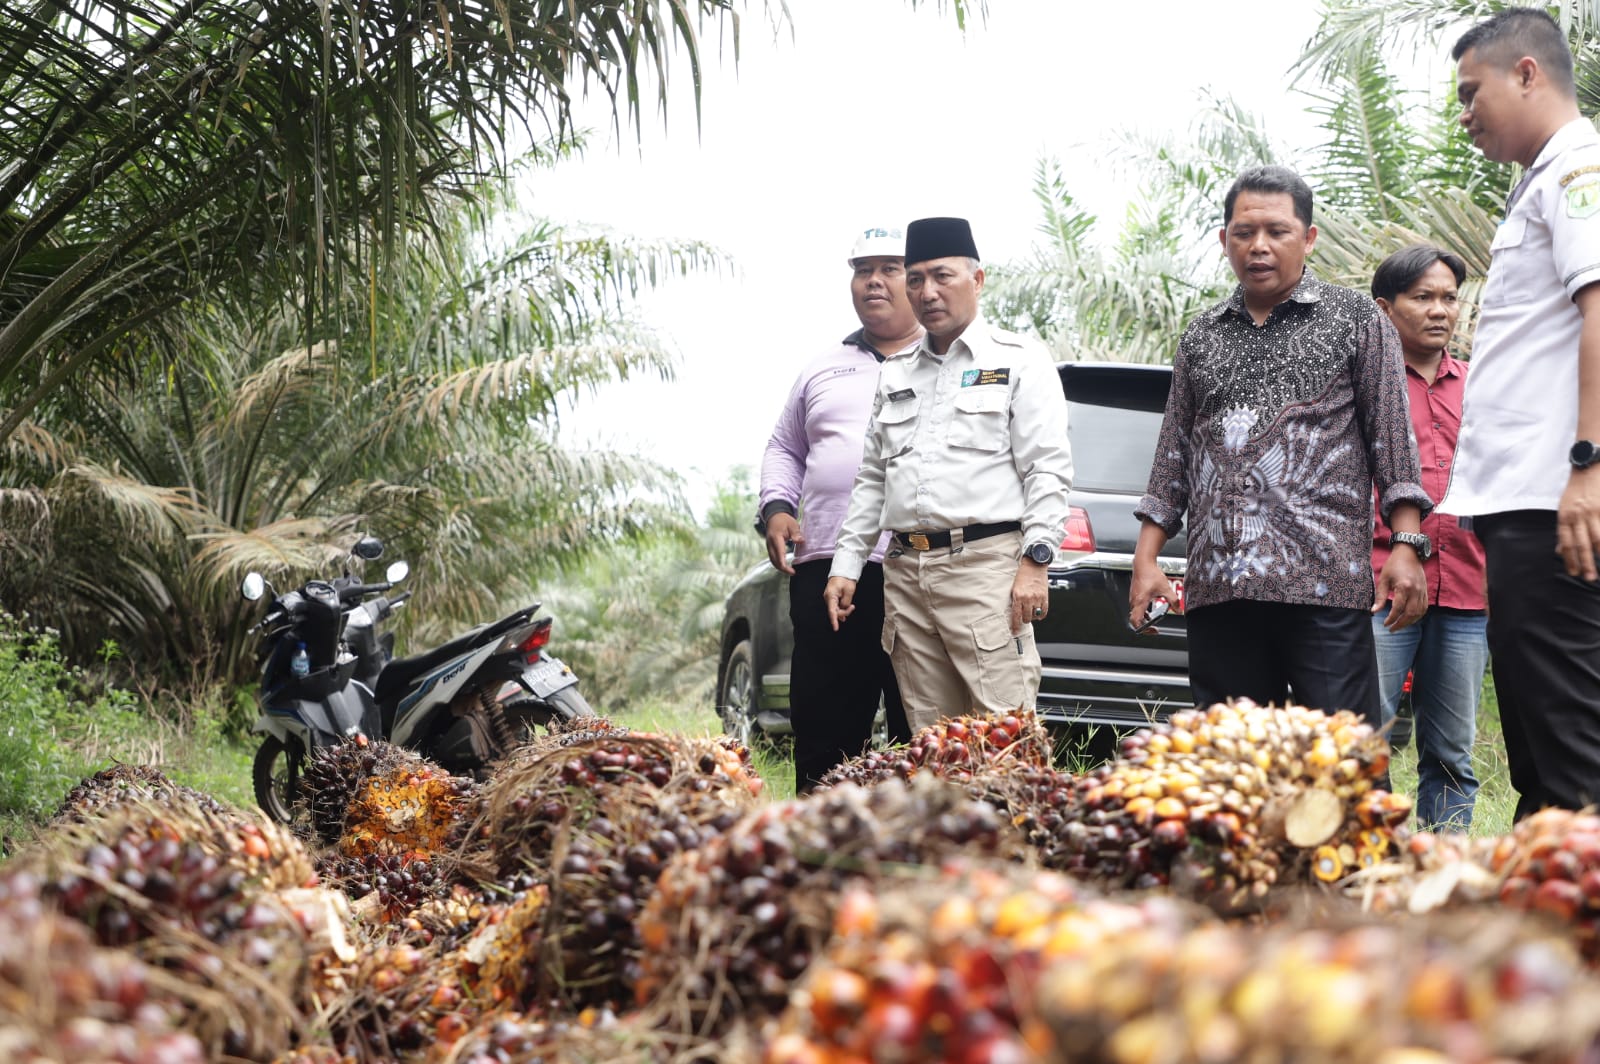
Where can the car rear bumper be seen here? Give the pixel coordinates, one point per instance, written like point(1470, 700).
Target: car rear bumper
point(1121, 698)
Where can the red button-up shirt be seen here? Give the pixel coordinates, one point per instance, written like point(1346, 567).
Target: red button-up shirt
point(1455, 571)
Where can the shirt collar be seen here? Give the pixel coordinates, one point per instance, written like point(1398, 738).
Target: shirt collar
point(1450, 366)
point(1309, 290)
point(859, 339)
point(1578, 131)
point(976, 328)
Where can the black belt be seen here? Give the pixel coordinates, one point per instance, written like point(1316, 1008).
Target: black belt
point(935, 540)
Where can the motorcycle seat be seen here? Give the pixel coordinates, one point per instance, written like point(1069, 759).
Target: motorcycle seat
point(399, 674)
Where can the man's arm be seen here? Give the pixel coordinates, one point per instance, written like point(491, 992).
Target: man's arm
point(863, 522)
point(1041, 453)
point(1383, 411)
point(1578, 514)
point(783, 470)
point(1166, 495)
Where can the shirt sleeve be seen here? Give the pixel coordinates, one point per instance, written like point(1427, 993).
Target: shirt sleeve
point(1575, 232)
point(863, 520)
point(1166, 497)
point(1383, 411)
point(783, 466)
point(1040, 449)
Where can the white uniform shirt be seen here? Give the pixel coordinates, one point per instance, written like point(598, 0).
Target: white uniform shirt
point(1520, 412)
point(976, 437)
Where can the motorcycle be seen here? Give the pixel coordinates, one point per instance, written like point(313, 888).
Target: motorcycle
point(328, 676)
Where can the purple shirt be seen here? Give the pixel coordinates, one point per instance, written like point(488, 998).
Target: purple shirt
point(815, 448)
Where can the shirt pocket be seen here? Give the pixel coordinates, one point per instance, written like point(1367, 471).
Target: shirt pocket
point(979, 422)
point(895, 423)
point(1512, 274)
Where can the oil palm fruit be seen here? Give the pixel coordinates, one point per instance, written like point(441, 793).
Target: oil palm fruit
point(732, 924)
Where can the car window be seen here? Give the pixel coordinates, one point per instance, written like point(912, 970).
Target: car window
point(1113, 420)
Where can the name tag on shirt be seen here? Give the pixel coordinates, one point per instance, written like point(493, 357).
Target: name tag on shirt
point(981, 377)
point(903, 393)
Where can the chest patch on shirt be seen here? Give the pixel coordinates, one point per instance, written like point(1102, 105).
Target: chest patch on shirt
point(1583, 200)
point(903, 393)
point(981, 377)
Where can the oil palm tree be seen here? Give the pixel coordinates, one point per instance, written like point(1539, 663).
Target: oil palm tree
point(132, 512)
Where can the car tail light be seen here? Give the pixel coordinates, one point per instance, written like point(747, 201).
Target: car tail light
point(1080, 537)
point(536, 641)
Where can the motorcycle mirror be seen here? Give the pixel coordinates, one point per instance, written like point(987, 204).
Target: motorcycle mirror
point(254, 586)
point(398, 571)
point(368, 547)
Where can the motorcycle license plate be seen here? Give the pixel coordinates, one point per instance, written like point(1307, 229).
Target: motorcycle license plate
point(546, 676)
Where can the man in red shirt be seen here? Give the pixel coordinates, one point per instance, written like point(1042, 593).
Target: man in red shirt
point(1447, 650)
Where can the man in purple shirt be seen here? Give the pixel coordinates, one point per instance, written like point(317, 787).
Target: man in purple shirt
point(836, 678)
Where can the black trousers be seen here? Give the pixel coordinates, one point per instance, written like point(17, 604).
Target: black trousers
point(1544, 648)
point(1259, 650)
point(836, 678)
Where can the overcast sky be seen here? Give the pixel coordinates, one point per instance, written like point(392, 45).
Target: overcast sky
point(872, 114)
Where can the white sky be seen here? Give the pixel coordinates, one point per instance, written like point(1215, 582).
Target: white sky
point(874, 113)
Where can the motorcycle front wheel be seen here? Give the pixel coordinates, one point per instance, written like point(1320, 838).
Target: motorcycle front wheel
point(276, 774)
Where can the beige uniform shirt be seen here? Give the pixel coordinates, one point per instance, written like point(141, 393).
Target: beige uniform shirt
point(976, 437)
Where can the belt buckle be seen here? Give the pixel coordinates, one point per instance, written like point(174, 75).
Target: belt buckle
point(918, 541)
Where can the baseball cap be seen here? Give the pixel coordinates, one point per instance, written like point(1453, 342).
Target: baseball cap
point(870, 243)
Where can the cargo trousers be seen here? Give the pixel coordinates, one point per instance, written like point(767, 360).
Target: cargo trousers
point(947, 629)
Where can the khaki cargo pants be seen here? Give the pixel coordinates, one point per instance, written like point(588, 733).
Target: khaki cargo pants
point(947, 629)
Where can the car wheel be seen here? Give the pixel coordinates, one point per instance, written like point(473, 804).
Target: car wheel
point(736, 699)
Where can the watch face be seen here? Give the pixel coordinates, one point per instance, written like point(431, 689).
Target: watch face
point(1584, 453)
point(1041, 553)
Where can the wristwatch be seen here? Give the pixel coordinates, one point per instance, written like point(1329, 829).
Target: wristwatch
point(1584, 454)
point(1041, 553)
point(1416, 540)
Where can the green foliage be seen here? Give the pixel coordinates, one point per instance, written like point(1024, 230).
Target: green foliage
point(642, 619)
point(45, 707)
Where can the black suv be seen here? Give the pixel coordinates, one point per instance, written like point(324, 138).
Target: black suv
point(1096, 671)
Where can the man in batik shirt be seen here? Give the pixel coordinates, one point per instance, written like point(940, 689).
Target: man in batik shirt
point(1288, 405)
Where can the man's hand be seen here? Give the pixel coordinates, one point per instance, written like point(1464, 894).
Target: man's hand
point(839, 596)
point(1149, 583)
point(1030, 594)
point(782, 530)
point(1578, 523)
point(1403, 581)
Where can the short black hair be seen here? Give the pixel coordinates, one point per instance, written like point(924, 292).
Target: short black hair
point(1270, 179)
point(1518, 31)
point(1400, 271)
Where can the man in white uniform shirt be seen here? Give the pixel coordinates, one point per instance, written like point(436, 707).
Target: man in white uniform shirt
point(967, 463)
point(1526, 467)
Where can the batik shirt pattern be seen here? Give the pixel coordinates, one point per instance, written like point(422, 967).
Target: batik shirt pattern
point(1273, 438)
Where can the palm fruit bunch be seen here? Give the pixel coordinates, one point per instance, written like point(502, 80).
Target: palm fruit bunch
point(1447, 989)
point(606, 869)
point(562, 733)
point(140, 869)
point(399, 1000)
point(120, 783)
point(732, 924)
point(393, 884)
point(377, 798)
point(954, 748)
point(222, 902)
point(528, 800)
point(499, 961)
point(945, 970)
point(1224, 803)
point(1037, 798)
point(593, 1037)
point(64, 998)
point(1549, 864)
point(332, 775)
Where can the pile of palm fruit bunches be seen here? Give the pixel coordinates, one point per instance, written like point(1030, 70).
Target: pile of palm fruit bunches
point(1232, 887)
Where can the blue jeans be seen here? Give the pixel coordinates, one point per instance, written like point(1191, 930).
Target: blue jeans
point(1446, 652)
